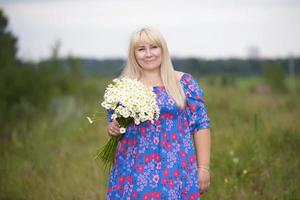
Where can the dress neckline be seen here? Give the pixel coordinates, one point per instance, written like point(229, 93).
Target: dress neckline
point(162, 86)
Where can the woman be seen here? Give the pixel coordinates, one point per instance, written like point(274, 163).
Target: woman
point(162, 160)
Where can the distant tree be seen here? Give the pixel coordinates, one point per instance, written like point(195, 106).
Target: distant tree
point(74, 75)
point(8, 41)
point(75, 68)
point(54, 63)
point(24, 90)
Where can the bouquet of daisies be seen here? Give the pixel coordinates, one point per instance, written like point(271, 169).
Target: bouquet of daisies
point(131, 102)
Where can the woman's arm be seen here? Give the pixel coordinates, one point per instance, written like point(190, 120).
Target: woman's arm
point(202, 142)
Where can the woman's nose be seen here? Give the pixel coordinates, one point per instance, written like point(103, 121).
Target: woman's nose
point(148, 52)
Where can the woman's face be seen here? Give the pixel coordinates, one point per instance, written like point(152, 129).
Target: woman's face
point(148, 55)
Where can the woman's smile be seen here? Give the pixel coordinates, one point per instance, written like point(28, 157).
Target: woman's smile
point(148, 55)
point(150, 60)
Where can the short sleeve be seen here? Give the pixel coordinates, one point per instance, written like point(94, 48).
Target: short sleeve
point(196, 110)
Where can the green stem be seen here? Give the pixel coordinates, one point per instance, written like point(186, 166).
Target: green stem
point(108, 152)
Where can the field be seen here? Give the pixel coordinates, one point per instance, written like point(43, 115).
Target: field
point(255, 146)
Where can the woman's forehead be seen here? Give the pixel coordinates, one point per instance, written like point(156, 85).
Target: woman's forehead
point(145, 43)
point(144, 39)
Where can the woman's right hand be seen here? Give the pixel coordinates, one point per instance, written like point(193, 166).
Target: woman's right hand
point(113, 128)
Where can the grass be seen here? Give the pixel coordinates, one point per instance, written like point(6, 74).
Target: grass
point(255, 147)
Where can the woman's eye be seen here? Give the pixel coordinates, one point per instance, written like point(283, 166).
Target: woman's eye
point(154, 47)
point(141, 49)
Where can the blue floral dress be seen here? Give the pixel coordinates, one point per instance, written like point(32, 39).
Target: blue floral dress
point(158, 161)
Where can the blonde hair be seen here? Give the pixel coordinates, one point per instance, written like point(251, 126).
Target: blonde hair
point(169, 79)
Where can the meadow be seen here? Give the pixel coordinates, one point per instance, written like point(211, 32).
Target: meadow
point(255, 145)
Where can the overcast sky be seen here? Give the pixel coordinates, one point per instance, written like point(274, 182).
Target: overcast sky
point(207, 29)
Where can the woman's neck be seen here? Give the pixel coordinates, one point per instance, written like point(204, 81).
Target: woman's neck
point(151, 78)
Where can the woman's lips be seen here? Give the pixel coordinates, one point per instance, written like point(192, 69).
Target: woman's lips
point(149, 60)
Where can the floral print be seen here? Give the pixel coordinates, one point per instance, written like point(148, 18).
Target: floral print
point(158, 161)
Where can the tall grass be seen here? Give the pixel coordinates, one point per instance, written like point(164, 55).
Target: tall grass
point(255, 147)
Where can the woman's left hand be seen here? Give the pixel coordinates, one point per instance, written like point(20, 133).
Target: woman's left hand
point(204, 180)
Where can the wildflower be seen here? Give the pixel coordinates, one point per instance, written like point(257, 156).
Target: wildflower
point(122, 130)
point(90, 120)
point(114, 116)
point(235, 160)
point(130, 98)
point(225, 180)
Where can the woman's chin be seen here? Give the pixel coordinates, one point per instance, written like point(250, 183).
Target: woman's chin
point(150, 66)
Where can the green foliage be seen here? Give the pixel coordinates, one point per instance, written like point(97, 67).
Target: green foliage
point(24, 92)
point(255, 147)
point(27, 89)
point(274, 75)
point(227, 80)
point(8, 42)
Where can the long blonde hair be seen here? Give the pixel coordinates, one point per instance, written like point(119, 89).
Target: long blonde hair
point(169, 79)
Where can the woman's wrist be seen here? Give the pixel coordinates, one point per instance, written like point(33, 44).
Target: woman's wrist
point(203, 167)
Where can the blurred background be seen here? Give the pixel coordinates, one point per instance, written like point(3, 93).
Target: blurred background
point(57, 57)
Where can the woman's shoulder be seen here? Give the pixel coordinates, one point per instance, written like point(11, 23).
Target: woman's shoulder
point(179, 74)
point(183, 76)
